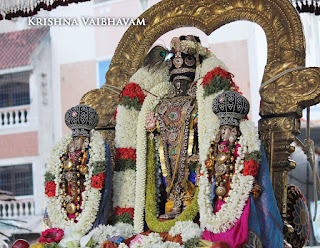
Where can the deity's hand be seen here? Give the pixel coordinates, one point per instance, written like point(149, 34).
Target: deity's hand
point(193, 158)
point(256, 190)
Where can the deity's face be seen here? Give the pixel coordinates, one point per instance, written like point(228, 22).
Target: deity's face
point(182, 66)
point(229, 133)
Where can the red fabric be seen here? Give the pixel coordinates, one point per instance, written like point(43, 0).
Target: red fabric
point(133, 90)
point(125, 153)
point(120, 211)
point(50, 189)
point(237, 236)
point(250, 168)
point(97, 181)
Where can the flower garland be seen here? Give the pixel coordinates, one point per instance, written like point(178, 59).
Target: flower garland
point(187, 229)
point(92, 194)
point(156, 83)
point(150, 103)
point(153, 240)
point(241, 185)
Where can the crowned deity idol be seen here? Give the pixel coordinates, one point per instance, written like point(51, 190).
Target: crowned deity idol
point(75, 174)
point(175, 158)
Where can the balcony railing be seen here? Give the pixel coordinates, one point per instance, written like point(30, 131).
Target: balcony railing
point(17, 209)
point(14, 116)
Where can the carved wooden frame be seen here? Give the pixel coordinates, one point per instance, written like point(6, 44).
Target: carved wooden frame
point(282, 99)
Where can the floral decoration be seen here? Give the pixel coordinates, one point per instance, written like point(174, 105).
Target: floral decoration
point(97, 181)
point(150, 102)
point(152, 240)
point(123, 215)
point(132, 96)
point(50, 189)
point(250, 168)
point(187, 229)
point(216, 80)
point(125, 153)
point(48, 177)
point(90, 196)
point(241, 185)
point(121, 211)
point(125, 158)
point(53, 235)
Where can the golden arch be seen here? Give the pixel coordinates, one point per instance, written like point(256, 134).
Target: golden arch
point(282, 98)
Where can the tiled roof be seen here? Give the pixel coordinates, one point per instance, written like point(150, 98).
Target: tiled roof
point(16, 48)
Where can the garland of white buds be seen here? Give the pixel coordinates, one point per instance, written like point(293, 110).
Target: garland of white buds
point(241, 185)
point(90, 197)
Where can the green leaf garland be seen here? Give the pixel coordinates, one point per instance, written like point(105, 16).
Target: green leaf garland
point(124, 164)
point(215, 85)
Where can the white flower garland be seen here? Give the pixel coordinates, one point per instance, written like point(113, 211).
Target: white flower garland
point(91, 196)
point(124, 183)
point(241, 186)
point(149, 103)
point(187, 230)
point(126, 127)
point(155, 241)
point(148, 78)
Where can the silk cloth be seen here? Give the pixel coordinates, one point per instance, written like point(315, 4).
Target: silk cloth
point(260, 216)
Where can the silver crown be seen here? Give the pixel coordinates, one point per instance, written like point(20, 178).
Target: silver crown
point(230, 107)
point(81, 119)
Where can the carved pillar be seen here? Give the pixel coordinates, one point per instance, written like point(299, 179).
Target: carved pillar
point(277, 134)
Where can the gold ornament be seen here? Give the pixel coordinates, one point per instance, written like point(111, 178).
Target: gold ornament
point(222, 157)
point(84, 170)
point(220, 191)
point(71, 208)
point(68, 165)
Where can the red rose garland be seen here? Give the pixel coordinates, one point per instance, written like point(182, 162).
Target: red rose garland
point(50, 189)
point(250, 168)
point(218, 71)
point(97, 181)
point(125, 153)
point(133, 90)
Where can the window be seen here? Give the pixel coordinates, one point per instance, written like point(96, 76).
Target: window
point(14, 89)
point(103, 67)
point(17, 179)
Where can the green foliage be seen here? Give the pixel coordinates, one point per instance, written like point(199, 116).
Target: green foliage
point(48, 177)
point(128, 102)
point(256, 156)
point(125, 218)
point(215, 85)
point(99, 167)
point(192, 243)
point(124, 164)
point(50, 245)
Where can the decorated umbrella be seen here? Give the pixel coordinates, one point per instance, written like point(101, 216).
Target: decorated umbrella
point(14, 8)
point(307, 6)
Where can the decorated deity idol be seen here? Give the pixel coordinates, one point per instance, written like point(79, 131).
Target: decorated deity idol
point(233, 206)
point(166, 133)
point(75, 174)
